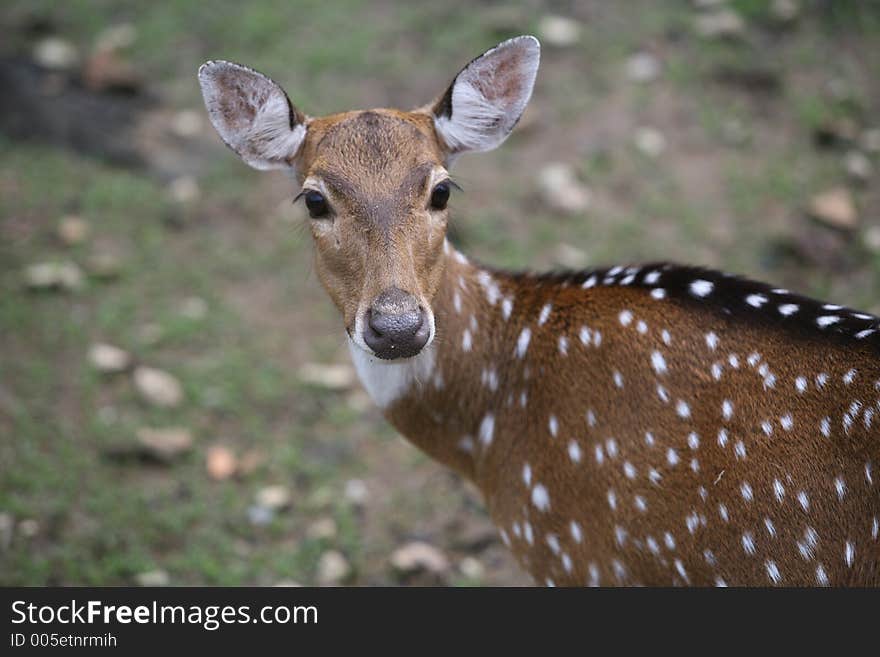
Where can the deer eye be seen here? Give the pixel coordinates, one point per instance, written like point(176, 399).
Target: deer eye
point(317, 204)
point(440, 196)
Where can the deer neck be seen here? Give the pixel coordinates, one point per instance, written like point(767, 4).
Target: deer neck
point(444, 400)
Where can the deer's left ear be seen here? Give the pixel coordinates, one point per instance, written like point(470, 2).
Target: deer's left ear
point(252, 114)
point(487, 98)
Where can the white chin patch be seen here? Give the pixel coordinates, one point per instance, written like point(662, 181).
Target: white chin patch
point(389, 380)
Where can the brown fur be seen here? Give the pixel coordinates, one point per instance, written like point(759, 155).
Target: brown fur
point(376, 165)
point(568, 386)
point(624, 428)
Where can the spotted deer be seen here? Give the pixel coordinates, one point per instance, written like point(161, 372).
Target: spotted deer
point(649, 424)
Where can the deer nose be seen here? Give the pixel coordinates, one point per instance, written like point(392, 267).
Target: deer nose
point(396, 326)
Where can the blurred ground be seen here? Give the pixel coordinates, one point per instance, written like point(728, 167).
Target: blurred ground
point(740, 135)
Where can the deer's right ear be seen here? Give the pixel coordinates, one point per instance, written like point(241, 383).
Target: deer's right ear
point(252, 114)
point(487, 98)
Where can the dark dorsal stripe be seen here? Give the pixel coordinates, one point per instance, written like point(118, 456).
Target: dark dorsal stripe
point(736, 298)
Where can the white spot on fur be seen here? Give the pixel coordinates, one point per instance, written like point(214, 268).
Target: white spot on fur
point(827, 320)
point(563, 345)
point(506, 307)
point(487, 430)
point(658, 362)
point(522, 342)
point(756, 300)
point(727, 409)
point(701, 288)
point(683, 409)
point(545, 314)
point(712, 340)
point(540, 497)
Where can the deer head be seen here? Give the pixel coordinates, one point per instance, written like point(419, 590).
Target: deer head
point(376, 182)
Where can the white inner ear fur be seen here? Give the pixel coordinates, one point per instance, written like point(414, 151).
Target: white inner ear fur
point(262, 136)
point(489, 96)
point(270, 136)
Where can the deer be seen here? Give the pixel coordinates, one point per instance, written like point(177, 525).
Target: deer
point(648, 424)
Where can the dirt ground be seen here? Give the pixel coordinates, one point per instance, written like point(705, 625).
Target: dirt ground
point(692, 142)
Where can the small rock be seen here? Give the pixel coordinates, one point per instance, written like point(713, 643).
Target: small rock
point(708, 4)
point(561, 189)
point(719, 24)
point(28, 527)
point(835, 208)
point(419, 557)
point(870, 140)
point(650, 141)
point(735, 132)
point(835, 133)
point(184, 189)
point(473, 538)
point(116, 37)
point(570, 256)
point(559, 31)
point(323, 529)
point(220, 462)
point(333, 569)
point(165, 444)
point(871, 239)
point(260, 515)
point(108, 359)
point(187, 123)
point(275, 497)
point(63, 276)
point(642, 67)
point(287, 583)
point(785, 11)
point(472, 568)
point(56, 54)
point(152, 578)
point(7, 530)
point(356, 492)
point(158, 387)
point(332, 377)
point(194, 308)
point(106, 70)
point(73, 230)
point(858, 166)
point(104, 265)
